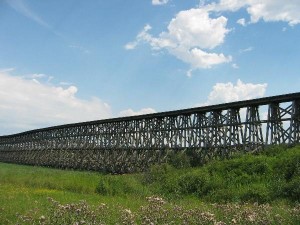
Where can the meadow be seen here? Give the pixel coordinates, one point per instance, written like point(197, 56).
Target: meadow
point(260, 188)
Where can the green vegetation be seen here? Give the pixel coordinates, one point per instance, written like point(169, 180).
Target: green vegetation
point(269, 176)
point(247, 189)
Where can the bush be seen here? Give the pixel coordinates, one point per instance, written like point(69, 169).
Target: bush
point(116, 185)
point(256, 193)
point(288, 165)
point(274, 150)
point(291, 189)
point(254, 178)
point(195, 157)
point(179, 159)
point(258, 166)
point(162, 179)
point(223, 195)
point(250, 165)
point(197, 183)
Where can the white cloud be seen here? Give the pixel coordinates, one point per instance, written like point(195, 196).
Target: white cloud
point(130, 45)
point(242, 22)
point(228, 92)
point(7, 70)
point(267, 10)
point(249, 49)
point(28, 104)
point(80, 48)
point(130, 112)
point(198, 58)
point(159, 2)
point(63, 83)
point(235, 66)
point(189, 73)
point(194, 27)
point(191, 36)
point(37, 75)
point(21, 7)
point(275, 10)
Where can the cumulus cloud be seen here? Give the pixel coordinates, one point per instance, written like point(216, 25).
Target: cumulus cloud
point(130, 45)
point(159, 2)
point(191, 37)
point(130, 112)
point(235, 66)
point(27, 104)
point(229, 92)
point(242, 22)
point(267, 10)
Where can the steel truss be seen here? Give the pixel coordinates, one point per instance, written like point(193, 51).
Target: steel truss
point(133, 143)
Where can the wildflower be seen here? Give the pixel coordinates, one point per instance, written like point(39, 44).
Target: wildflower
point(78, 210)
point(128, 211)
point(251, 218)
point(42, 218)
point(220, 223)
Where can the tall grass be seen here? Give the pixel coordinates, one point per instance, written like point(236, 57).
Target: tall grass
point(272, 175)
point(269, 177)
point(48, 178)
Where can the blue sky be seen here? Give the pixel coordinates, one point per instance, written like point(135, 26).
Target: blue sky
point(71, 61)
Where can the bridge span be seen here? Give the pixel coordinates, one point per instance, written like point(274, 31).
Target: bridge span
point(131, 144)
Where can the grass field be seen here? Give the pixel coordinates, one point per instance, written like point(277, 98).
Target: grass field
point(248, 189)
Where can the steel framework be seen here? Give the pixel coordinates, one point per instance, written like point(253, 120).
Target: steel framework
point(131, 144)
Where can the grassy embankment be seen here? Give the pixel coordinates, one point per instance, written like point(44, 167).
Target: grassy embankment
point(248, 189)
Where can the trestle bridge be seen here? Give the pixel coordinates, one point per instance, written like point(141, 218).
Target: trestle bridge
point(133, 143)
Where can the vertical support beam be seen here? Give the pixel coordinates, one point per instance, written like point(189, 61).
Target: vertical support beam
point(233, 130)
point(294, 136)
point(276, 133)
point(253, 138)
point(215, 134)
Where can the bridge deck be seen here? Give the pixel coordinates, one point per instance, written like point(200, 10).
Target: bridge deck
point(224, 106)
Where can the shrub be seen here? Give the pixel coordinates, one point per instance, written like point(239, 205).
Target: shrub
point(194, 183)
point(250, 165)
point(256, 193)
point(179, 159)
point(288, 164)
point(291, 189)
point(223, 195)
point(257, 166)
point(255, 178)
point(117, 185)
point(274, 150)
point(157, 173)
point(195, 157)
